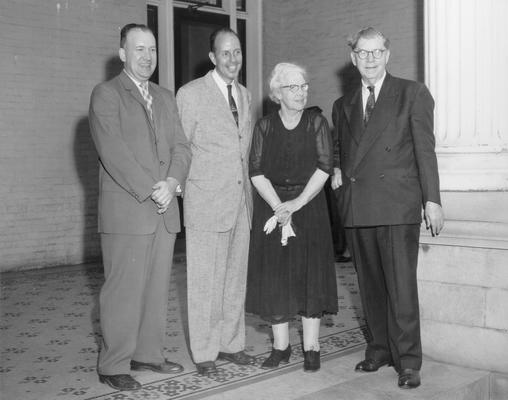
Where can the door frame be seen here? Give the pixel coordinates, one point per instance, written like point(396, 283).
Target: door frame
point(253, 50)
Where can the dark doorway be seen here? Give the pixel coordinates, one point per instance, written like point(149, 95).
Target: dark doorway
point(192, 33)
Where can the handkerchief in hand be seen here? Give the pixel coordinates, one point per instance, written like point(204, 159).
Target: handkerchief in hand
point(287, 232)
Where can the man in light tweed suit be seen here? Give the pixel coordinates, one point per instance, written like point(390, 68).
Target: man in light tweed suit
point(215, 114)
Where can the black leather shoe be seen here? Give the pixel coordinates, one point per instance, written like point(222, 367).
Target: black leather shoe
point(409, 378)
point(370, 365)
point(240, 358)
point(311, 361)
point(276, 357)
point(120, 382)
point(167, 367)
point(206, 368)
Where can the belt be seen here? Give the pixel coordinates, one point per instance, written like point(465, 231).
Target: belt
point(288, 187)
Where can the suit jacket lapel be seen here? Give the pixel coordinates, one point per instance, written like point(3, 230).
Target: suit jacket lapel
point(382, 114)
point(243, 107)
point(354, 113)
point(219, 100)
point(158, 107)
point(131, 87)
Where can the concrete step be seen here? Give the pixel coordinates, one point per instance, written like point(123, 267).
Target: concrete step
point(439, 382)
point(337, 381)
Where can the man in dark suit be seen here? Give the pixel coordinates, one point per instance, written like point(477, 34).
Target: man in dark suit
point(388, 171)
point(144, 156)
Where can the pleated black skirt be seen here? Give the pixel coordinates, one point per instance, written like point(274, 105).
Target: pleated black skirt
point(296, 279)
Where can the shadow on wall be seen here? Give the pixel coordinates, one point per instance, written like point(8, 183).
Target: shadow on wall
point(113, 67)
point(87, 168)
point(348, 78)
point(269, 106)
point(420, 45)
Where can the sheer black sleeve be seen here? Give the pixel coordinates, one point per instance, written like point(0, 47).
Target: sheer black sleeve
point(256, 150)
point(324, 143)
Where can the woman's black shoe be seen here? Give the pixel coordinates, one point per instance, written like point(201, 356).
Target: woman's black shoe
point(277, 357)
point(311, 361)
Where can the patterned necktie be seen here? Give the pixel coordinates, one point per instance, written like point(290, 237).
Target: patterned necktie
point(370, 105)
point(148, 97)
point(232, 105)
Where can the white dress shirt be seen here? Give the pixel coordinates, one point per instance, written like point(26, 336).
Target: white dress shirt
point(366, 91)
point(136, 82)
point(224, 87)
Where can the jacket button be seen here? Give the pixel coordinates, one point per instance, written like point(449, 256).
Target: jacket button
point(239, 182)
point(381, 176)
point(162, 163)
point(353, 180)
point(388, 149)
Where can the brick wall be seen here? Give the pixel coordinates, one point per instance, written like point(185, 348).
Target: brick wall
point(53, 53)
point(313, 33)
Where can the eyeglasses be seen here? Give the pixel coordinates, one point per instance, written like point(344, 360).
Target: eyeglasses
point(294, 88)
point(363, 54)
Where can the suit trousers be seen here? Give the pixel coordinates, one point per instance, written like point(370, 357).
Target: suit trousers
point(216, 286)
point(338, 230)
point(134, 298)
point(386, 259)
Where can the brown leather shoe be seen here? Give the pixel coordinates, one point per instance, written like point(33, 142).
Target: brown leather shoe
point(120, 382)
point(240, 358)
point(206, 368)
point(167, 367)
point(370, 365)
point(409, 378)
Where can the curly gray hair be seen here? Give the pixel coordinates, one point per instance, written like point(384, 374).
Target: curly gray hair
point(279, 71)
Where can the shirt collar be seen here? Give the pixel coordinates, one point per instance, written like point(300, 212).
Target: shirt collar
point(136, 82)
point(223, 86)
point(377, 86)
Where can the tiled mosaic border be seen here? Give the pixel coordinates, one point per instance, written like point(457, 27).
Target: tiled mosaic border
point(50, 337)
point(191, 385)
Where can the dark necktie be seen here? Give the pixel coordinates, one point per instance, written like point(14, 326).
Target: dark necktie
point(371, 101)
point(232, 104)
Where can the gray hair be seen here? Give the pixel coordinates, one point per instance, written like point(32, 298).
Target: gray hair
point(279, 71)
point(367, 33)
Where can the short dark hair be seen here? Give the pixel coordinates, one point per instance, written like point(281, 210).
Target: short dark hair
point(217, 32)
point(367, 33)
point(127, 28)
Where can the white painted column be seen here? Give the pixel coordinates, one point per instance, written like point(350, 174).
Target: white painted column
point(463, 273)
point(466, 59)
point(466, 54)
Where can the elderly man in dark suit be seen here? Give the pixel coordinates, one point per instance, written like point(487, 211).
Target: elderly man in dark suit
point(388, 171)
point(144, 157)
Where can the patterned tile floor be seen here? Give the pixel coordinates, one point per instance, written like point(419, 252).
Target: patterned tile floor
point(50, 334)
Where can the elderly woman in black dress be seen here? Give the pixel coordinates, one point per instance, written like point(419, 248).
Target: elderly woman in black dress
point(290, 161)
